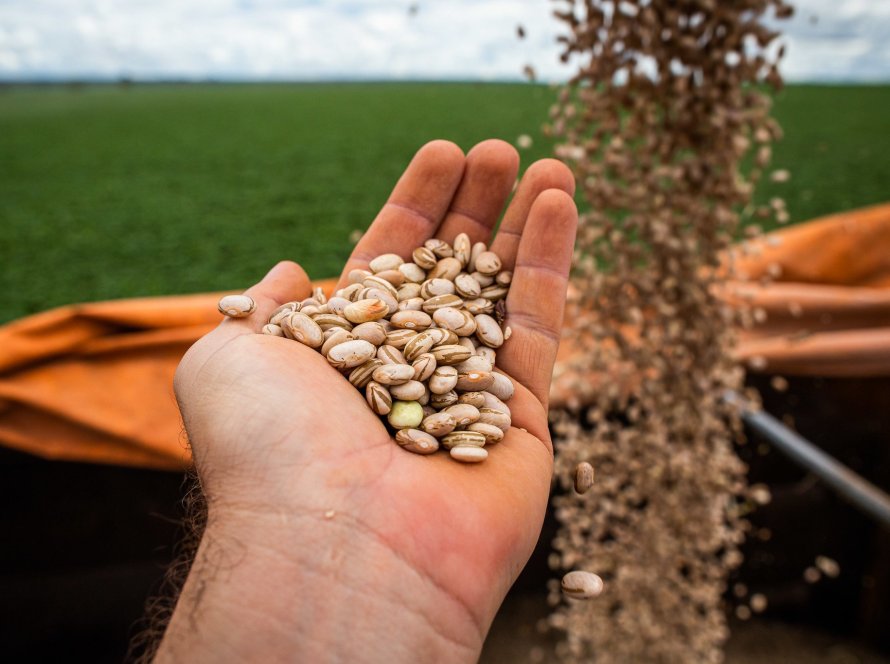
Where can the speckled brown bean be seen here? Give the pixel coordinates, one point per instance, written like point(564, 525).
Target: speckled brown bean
point(337, 305)
point(236, 306)
point(502, 387)
point(466, 286)
point(494, 293)
point(394, 374)
point(488, 263)
point(484, 280)
point(583, 478)
point(441, 301)
point(278, 317)
point(463, 414)
point(390, 355)
point(477, 249)
point(299, 327)
point(443, 380)
point(462, 248)
point(491, 401)
point(385, 262)
point(327, 321)
point(372, 332)
point(498, 418)
point(351, 292)
point(472, 398)
point(425, 259)
point(440, 401)
point(424, 365)
point(411, 304)
point(391, 299)
point(420, 344)
point(350, 354)
point(333, 337)
point(357, 276)
point(394, 277)
point(413, 273)
point(449, 318)
point(399, 338)
point(488, 331)
point(408, 292)
point(417, 441)
point(365, 311)
point(450, 354)
point(433, 287)
point(444, 338)
point(464, 439)
point(469, 326)
point(467, 343)
point(439, 247)
point(438, 424)
point(283, 312)
point(581, 585)
point(474, 363)
point(319, 294)
point(468, 454)
point(479, 306)
point(411, 320)
point(492, 433)
point(411, 390)
point(361, 375)
point(381, 284)
point(424, 399)
point(446, 268)
point(378, 398)
point(486, 352)
point(474, 381)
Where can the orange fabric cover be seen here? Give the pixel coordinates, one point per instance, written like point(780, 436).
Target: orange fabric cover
point(93, 382)
point(828, 310)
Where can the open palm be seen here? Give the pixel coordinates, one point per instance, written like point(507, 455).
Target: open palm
point(273, 427)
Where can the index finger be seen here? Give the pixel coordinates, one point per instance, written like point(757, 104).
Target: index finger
point(415, 208)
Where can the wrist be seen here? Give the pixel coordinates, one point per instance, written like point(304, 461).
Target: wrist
point(311, 586)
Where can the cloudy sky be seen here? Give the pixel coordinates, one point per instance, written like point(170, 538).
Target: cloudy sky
point(319, 39)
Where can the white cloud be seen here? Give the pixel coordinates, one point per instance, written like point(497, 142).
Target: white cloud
point(315, 39)
point(832, 40)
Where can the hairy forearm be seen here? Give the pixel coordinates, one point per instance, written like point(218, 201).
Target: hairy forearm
point(311, 587)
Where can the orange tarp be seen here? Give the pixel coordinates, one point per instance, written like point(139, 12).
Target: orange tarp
point(93, 382)
point(828, 307)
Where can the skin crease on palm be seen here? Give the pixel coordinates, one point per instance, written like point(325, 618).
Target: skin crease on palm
point(316, 517)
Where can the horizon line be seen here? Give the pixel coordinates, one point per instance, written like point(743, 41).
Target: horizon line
point(50, 79)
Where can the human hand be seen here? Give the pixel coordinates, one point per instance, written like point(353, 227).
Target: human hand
point(325, 540)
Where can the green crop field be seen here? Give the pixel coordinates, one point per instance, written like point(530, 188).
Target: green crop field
point(110, 192)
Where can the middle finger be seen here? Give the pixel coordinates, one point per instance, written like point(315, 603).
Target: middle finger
point(488, 178)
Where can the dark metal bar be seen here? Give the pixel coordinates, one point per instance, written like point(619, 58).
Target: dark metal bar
point(852, 487)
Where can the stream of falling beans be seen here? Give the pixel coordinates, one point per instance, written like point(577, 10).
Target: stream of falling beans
point(667, 106)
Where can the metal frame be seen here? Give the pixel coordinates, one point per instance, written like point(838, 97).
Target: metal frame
point(849, 485)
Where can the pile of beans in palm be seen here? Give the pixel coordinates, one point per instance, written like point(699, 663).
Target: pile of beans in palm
point(420, 338)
